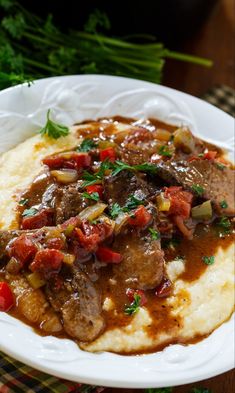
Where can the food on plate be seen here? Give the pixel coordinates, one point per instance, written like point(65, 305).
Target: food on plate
point(118, 234)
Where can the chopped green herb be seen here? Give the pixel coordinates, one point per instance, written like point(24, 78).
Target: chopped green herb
point(87, 145)
point(198, 190)
point(201, 155)
point(164, 151)
point(146, 167)
point(208, 260)
point(23, 202)
point(134, 307)
point(154, 234)
point(223, 204)
point(132, 203)
point(220, 166)
point(29, 212)
point(225, 225)
point(52, 129)
point(94, 196)
point(92, 178)
point(115, 210)
point(119, 166)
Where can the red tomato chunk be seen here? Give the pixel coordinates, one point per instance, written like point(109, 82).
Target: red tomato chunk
point(141, 217)
point(71, 160)
point(106, 255)
point(210, 155)
point(41, 219)
point(90, 235)
point(180, 201)
point(131, 292)
point(47, 260)
point(6, 297)
point(23, 249)
point(108, 154)
point(95, 188)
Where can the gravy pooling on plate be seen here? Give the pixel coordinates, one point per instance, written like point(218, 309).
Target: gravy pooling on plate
point(119, 235)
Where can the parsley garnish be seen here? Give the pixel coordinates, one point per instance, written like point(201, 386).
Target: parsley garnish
point(87, 145)
point(52, 129)
point(23, 202)
point(132, 203)
point(115, 167)
point(223, 204)
point(115, 210)
point(225, 224)
point(197, 189)
point(208, 260)
point(119, 166)
point(201, 155)
point(94, 196)
point(134, 307)
point(29, 212)
point(220, 166)
point(164, 151)
point(154, 234)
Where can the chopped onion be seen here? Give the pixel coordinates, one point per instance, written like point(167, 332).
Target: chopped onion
point(162, 135)
point(92, 212)
point(65, 176)
point(36, 280)
point(202, 212)
point(120, 221)
point(184, 140)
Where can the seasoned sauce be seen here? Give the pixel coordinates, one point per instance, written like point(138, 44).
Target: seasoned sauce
point(205, 242)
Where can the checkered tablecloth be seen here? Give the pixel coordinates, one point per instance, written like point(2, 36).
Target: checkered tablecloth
point(16, 377)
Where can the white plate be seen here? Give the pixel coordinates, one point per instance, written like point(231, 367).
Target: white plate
point(75, 98)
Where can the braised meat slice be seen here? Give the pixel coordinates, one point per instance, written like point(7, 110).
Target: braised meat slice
point(118, 188)
point(142, 266)
point(79, 303)
point(218, 183)
point(69, 202)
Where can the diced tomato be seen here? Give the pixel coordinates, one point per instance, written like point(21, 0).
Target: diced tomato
point(210, 155)
point(47, 260)
point(180, 201)
point(70, 224)
point(108, 154)
point(91, 235)
point(6, 297)
point(131, 292)
point(141, 217)
point(95, 188)
point(71, 160)
point(164, 289)
point(41, 219)
point(22, 249)
point(56, 243)
point(106, 255)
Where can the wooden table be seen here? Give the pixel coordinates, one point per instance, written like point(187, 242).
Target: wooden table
point(215, 41)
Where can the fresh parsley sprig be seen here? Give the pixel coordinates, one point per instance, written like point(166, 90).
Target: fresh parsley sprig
point(87, 145)
point(57, 52)
point(94, 196)
point(197, 189)
point(29, 212)
point(53, 130)
point(134, 307)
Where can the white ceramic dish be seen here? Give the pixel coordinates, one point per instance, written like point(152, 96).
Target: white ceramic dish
point(73, 99)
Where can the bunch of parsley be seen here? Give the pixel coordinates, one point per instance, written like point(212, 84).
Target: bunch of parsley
point(31, 48)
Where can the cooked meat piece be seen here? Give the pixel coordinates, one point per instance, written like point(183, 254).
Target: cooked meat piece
point(32, 304)
point(142, 266)
point(69, 203)
point(118, 188)
point(218, 185)
point(79, 304)
point(5, 238)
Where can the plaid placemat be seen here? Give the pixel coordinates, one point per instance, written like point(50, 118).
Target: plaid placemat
point(15, 377)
